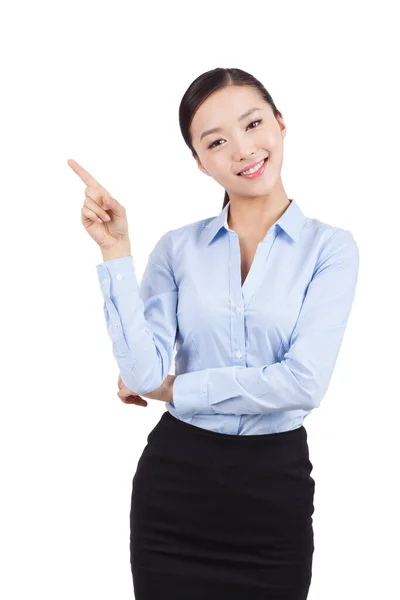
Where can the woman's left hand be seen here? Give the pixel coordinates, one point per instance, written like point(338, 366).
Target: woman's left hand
point(163, 392)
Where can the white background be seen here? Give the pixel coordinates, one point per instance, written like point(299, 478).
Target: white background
point(101, 83)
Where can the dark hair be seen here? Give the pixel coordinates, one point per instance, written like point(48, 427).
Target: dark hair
point(207, 83)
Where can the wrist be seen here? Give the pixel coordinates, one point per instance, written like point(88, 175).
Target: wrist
point(170, 394)
point(119, 250)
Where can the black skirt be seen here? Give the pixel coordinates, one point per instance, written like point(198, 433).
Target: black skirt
point(217, 516)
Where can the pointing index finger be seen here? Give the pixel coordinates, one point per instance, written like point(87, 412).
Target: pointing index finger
point(83, 174)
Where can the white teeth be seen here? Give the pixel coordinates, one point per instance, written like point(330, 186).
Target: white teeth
point(254, 169)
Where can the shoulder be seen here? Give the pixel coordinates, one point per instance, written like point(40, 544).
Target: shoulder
point(175, 240)
point(331, 245)
point(190, 228)
point(330, 236)
point(190, 231)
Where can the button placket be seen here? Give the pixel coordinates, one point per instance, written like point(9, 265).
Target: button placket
point(237, 312)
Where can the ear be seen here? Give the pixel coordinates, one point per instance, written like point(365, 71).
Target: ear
point(281, 125)
point(202, 169)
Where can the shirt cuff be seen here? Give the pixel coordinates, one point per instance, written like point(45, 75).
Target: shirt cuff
point(189, 392)
point(117, 276)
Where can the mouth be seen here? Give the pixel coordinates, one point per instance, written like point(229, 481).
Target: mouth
point(257, 173)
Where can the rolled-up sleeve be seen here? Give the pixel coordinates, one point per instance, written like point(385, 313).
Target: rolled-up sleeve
point(141, 319)
point(301, 379)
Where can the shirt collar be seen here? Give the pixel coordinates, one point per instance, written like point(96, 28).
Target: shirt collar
point(292, 222)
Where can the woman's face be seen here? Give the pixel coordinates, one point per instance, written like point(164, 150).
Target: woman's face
point(239, 143)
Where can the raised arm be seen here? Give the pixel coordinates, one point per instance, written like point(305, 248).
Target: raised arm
point(141, 321)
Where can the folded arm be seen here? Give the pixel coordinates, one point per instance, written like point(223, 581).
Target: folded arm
point(301, 379)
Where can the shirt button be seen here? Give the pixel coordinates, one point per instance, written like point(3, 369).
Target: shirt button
point(238, 354)
point(104, 281)
point(119, 276)
point(238, 309)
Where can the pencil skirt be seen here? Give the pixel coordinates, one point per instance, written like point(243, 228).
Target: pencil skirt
point(217, 516)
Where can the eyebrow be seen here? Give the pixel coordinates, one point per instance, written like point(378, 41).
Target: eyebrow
point(243, 116)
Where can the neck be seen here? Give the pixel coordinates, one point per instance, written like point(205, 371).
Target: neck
point(255, 215)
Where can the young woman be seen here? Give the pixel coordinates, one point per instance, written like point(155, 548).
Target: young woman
point(256, 300)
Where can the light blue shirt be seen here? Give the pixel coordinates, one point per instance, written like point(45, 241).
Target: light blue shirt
point(249, 359)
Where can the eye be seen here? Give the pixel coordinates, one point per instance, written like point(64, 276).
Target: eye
point(259, 121)
point(252, 123)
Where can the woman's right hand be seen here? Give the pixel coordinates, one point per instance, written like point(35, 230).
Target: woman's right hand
point(127, 397)
point(103, 217)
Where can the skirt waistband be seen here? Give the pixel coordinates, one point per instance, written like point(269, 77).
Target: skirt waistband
point(182, 428)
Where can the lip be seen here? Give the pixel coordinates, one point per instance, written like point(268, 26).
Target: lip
point(257, 173)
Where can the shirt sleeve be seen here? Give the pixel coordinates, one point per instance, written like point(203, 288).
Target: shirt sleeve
point(301, 379)
point(141, 320)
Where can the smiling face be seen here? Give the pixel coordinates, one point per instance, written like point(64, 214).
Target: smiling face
point(239, 142)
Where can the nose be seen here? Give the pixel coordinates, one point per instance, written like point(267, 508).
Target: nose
point(244, 152)
point(242, 157)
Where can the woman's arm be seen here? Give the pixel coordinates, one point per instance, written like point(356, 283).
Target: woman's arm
point(141, 320)
point(301, 379)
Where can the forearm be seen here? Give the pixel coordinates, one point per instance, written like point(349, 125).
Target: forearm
point(246, 390)
point(141, 319)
